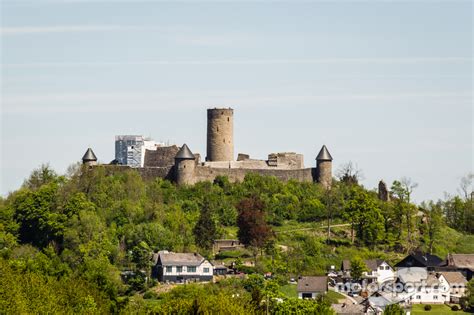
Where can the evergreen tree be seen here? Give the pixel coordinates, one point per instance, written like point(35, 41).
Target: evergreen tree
point(205, 230)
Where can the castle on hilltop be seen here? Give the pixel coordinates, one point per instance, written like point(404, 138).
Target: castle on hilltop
point(181, 165)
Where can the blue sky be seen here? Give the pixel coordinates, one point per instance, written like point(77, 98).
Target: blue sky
point(384, 84)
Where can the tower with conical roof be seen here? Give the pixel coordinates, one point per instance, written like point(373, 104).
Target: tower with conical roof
point(324, 167)
point(89, 158)
point(185, 165)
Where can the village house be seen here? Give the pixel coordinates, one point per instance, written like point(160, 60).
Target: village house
point(456, 283)
point(311, 287)
point(423, 287)
point(379, 271)
point(181, 267)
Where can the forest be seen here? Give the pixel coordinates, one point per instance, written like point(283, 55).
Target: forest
point(66, 240)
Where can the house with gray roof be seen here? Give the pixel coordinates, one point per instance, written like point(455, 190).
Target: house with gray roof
point(311, 287)
point(456, 282)
point(181, 267)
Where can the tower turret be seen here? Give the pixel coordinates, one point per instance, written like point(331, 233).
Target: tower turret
point(89, 158)
point(185, 164)
point(324, 167)
point(220, 134)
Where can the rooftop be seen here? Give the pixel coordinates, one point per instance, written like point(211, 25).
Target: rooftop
point(454, 277)
point(461, 260)
point(312, 284)
point(324, 154)
point(89, 156)
point(185, 153)
point(180, 259)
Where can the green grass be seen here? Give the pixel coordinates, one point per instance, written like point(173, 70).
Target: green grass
point(333, 297)
point(289, 290)
point(436, 309)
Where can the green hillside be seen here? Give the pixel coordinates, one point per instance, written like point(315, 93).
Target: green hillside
point(64, 240)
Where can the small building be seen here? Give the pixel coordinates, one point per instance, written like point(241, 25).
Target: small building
point(418, 259)
point(226, 245)
point(379, 271)
point(220, 270)
point(181, 267)
point(456, 283)
point(311, 287)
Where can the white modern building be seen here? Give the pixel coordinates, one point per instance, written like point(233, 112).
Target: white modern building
point(130, 149)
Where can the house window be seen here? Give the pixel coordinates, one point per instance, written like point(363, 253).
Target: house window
point(206, 270)
point(179, 268)
point(387, 267)
point(307, 295)
point(381, 267)
point(435, 297)
point(169, 268)
point(191, 269)
point(418, 297)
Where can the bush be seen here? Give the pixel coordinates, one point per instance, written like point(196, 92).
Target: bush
point(427, 307)
point(233, 254)
point(150, 295)
point(455, 308)
point(246, 269)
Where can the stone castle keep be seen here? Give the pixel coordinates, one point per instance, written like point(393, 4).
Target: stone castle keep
point(186, 168)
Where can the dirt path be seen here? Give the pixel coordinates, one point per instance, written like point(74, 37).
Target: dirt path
point(314, 228)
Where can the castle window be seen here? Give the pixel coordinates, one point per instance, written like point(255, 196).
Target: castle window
point(184, 166)
point(228, 118)
point(217, 129)
point(224, 140)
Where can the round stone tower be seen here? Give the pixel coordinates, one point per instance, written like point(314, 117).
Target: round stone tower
point(324, 167)
point(184, 164)
point(220, 134)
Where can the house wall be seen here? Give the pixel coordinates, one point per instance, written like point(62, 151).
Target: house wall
point(385, 274)
point(313, 294)
point(174, 275)
point(453, 288)
point(427, 296)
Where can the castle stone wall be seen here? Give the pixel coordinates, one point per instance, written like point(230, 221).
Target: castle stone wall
point(161, 157)
point(220, 134)
point(203, 173)
point(150, 173)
